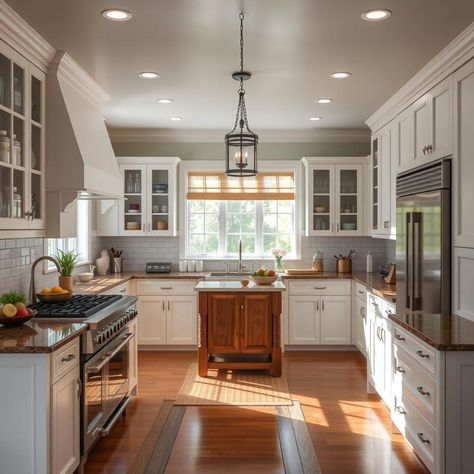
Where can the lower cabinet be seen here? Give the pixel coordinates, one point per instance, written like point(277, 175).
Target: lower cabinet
point(336, 320)
point(133, 361)
point(165, 318)
point(360, 326)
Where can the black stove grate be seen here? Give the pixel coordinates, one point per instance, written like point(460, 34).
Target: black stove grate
point(78, 306)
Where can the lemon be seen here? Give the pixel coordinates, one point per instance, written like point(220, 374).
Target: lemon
point(56, 289)
point(9, 310)
point(45, 291)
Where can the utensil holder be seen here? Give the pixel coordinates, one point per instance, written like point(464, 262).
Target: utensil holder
point(117, 265)
point(343, 265)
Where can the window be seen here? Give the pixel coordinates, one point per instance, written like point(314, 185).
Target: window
point(223, 211)
point(80, 243)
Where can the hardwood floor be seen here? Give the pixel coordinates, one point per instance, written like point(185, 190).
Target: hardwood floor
point(351, 431)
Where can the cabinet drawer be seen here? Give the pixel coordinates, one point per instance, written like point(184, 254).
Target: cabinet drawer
point(417, 430)
point(121, 289)
point(320, 287)
point(360, 291)
point(422, 353)
point(412, 382)
point(168, 287)
point(64, 359)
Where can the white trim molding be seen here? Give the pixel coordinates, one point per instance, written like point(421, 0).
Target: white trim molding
point(157, 135)
point(23, 38)
point(452, 57)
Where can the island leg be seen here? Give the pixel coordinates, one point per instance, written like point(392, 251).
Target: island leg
point(203, 355)
point(276, 349)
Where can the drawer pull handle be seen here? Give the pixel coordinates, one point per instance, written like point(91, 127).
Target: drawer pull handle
point(420, 353)
point(388, 312)
point(400, 369)
point(423, 392)
point(68, 358)
point(401, 410)
point(319, 287)
point(166, 287)
point(423, 439)
point(361, 292)
point(399, 338)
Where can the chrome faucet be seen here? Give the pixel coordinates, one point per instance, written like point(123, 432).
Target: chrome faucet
point(242, 267)
point(33, 298)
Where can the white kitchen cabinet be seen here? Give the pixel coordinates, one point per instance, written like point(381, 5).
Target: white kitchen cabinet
point(463, 162)
point(151, 320)
point(65, 426)
point(304, 320)
point(405, 129)
point(360, 326)
point(463, 276)
point(334, 196)
point(133, 360)
point(335, 320)
point(150, 204)
point(167, 312)
point(22, 132)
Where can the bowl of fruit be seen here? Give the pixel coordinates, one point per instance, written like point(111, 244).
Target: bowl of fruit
point(56, 294)
point(13, 310)
point(263, 277)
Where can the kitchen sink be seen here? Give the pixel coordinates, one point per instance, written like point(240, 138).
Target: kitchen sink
point(227, 276)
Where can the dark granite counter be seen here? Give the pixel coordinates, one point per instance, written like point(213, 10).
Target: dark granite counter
point(444, 332)
point(376, 283)
point(37, 337)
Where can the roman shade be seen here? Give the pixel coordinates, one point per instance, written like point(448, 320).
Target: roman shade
point(218, 186)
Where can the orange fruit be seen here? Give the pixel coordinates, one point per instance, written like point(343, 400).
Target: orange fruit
point(56, 289)
point(45, 291)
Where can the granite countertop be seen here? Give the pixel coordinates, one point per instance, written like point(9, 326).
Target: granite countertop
point(321, 275)
point(376, 283)
point(444, 332)
point(37, 337)
point(236, 286)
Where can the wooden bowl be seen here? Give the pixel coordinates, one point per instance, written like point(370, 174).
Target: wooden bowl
point(54, 297)
point(17, 320)
point(244, 282)
point(264, 280)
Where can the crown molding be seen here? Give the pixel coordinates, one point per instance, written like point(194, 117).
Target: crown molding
point(452, 57)
point(148, 135)
point(66, 68)
point(23, 38)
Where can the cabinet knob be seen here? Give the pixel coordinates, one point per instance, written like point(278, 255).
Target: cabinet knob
point(429, 149)
point(399, 338)
point(422, 438)
point(425, 149)
point(401, 410)
point(400, 369)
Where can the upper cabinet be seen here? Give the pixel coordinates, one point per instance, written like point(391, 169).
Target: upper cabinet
point(149, 207)
point(22, 114)
point(334, 196)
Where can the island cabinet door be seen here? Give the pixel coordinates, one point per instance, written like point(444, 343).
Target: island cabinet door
point(256, 323)
point(223, 323)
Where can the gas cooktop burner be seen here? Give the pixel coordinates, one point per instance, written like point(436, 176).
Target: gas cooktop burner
point(78, 306)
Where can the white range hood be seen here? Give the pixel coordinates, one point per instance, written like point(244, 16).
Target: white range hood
point(80, 161)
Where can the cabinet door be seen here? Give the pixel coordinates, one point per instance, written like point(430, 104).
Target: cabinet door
point(133, 210)
point(379, 357)
point(181, 320)
point(406, 140)
point(223, 323)
point(65, 423)
point(160, 209)
point(320, 200)
point(348, 201)
point(421, 123)
point(359, 318)
point(441, 115)
point(335, 320)
point(463, 276)
point(256, 323)
point(375, 180)
point(463, 165)
point(392, 164)
point(133, 357)
point(304, 320)
point(151, 320)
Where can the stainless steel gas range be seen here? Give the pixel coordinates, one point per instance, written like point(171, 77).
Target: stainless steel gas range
point(105, 357)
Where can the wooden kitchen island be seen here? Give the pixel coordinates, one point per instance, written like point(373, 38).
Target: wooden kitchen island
point(239, 327)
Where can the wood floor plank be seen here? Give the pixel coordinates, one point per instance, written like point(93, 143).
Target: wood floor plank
point(289, 448)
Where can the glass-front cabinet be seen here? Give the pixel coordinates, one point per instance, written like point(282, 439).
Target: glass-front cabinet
point(149, 205)
point(21, 143)
point(334, 196)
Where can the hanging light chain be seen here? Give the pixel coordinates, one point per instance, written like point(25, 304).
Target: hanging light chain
point(241, 16)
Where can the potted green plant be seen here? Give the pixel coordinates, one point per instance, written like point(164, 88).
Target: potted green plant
point(67, 262)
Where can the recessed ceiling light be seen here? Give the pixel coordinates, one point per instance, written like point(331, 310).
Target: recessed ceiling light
point(314, 119)
point(176, 119)
point(115, 14)
point(323, 101)
point(165, 101)
point(148, 75)
point(340, 75)
point(376, 15)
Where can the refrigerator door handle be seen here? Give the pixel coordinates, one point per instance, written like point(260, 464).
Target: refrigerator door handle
point(409, 260)
point(417, 263)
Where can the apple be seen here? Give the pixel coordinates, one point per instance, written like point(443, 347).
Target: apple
point(30, 311)
point(20, 305)
point(22, 312)
point(270, 273)
point(261, 272)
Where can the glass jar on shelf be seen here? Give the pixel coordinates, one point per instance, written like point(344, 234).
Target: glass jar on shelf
point(318, 263)
point(16, 152)
point(17, 203)
point(5, 146)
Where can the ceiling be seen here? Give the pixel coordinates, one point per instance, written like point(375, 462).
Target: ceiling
point(291, 47)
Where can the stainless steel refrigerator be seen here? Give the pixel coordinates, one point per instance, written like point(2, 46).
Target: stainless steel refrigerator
point(424, 239)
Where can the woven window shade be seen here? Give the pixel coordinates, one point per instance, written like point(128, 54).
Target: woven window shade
point(219, 187)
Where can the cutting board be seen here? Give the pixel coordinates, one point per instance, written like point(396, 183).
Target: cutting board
point(301, 271)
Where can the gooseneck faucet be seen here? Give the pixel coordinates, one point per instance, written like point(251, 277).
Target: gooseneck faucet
point(242, 267)
point(33, 298)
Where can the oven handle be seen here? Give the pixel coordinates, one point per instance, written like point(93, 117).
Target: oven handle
point(106, 359)
point(106, 429)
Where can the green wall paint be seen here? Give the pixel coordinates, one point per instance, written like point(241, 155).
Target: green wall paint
point(266, 151)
